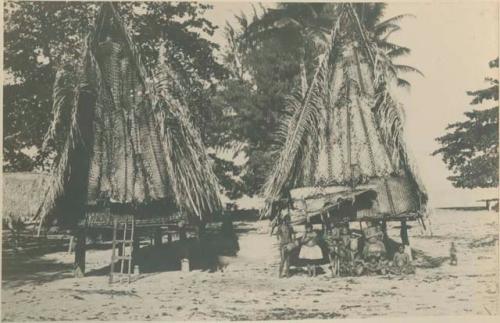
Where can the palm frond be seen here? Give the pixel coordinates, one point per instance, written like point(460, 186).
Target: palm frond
point(62, 100)
point(407, 69)
point(190, 171)
point(87, 81)
point(398, 51)
point(392, 20)
point(386, 30)
point(403, 83)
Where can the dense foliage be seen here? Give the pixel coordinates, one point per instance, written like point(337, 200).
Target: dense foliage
point(470, 148)
point(42, 36)
point(238, 105)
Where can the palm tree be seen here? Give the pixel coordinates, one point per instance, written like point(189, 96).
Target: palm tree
point(312, 23)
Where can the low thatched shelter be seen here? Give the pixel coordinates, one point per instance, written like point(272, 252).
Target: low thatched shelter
point(23, 195)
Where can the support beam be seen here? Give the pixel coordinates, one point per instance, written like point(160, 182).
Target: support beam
point(405, 240)
point(71, 245)
point(80, 250)
point(404, 234)
point(383, 227)
point(136, 245)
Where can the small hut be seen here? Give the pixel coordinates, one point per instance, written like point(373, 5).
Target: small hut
point(128, 148)
point(343, 157)
point(23, 195)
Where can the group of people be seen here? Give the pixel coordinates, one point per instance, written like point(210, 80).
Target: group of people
point(342, 251)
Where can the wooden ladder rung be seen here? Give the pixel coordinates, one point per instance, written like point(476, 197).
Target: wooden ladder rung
point(125, 271)
point(123, 257)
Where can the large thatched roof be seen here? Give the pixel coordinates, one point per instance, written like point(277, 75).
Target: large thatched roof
point(23, 194)
point(346, 129)
point(130, 142)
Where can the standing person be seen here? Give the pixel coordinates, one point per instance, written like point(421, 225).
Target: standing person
point(286, 237)
point(332, 238)
point(453, 254)
point(310, 252)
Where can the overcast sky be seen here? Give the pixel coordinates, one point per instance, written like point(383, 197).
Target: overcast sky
point(451, 44)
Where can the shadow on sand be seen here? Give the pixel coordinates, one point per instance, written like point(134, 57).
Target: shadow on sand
point(32, 270)
point(206, 253)
point(27, 265)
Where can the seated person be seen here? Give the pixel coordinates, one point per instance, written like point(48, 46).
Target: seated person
point(358, 266)
point(345, 261)
point(374, 247)
point(401, 263)
point(372, 266)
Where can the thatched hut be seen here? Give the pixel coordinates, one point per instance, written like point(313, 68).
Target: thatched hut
point(128, 145)
point(343, 155)
point(23, 195)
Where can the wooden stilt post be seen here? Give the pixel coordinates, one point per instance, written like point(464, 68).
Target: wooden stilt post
point(136, 244)
point(185, 251)
point(80, 250)
point(384, 231)
point(71, 244)
point(158, 237)
point(404, 234)
point(404, 238)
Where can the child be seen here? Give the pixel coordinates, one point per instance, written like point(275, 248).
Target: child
point(310, 252)
point(453, 254)
point(401, 262)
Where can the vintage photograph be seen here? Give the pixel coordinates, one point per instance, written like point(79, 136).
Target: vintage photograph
point(249, 161)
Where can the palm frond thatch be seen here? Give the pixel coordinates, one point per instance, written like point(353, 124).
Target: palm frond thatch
point(303, 123)
point(361, 108)
point(190, 171)
point(133, 149)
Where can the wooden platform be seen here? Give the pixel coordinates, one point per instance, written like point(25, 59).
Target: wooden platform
point(105, 221)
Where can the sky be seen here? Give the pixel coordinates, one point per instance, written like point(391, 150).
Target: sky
point(451, 43)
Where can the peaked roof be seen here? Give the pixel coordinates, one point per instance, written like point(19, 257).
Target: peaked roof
point(130, 140)
point(346, 128)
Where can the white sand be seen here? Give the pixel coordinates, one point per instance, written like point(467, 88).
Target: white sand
point(249, 289)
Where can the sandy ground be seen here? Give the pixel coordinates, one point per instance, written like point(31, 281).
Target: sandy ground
point(41, 288)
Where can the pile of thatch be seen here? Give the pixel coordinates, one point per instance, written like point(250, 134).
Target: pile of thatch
point(345, 128)
point(129, 141)
point(23, 195)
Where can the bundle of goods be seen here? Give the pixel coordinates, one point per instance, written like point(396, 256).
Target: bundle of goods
point(312, 201)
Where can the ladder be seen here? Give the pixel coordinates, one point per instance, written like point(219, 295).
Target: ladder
point(127, 241)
